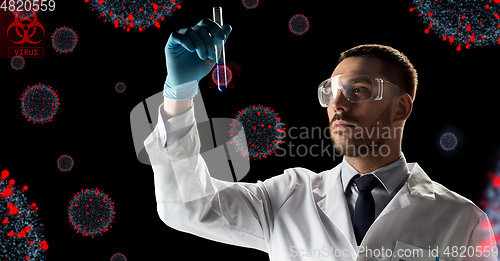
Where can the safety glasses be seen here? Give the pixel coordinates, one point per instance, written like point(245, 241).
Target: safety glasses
point(356, 88)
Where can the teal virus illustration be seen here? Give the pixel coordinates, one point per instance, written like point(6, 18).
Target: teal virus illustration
point(448, 141)
point(91, 212)
point(120, 87)
point(64, 40)
point(39, 103)
point(17, 62)
point(250, 4)
point(137, 14)
point(24, 9)
point(263, 131)
point(222, 74)
point(491, 199)
point(469, 23)
point(298, 24)
point(65, 163)
point(118, 257)
point(21, 230)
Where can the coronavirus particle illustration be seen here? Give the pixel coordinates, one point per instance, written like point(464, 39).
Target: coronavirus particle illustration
point(118, 257)
point(17, 62)
point(65, 163)
point(91, 212)
point(120, 87)
point(471, 23)
point(263, 130)
point(491, 200)
point(250, 4)
point(21, 231)
point(222, 74)
point(448, 141)
point(231, 72)
point(138, 14)
point(64, 40)
point(25, 9)
point(298, 24)
point(39, 103)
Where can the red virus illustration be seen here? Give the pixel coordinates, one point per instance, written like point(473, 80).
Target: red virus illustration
point(138, 14)
point(222, 74)
point(473, 23)
point(91, 212)
point(231, 71)
point(298, 24)
point(21, 231)
point(120, 87)
point(448, 141)
point(24, 9)
point(250, 4)
point(39, 103)
point(118, 257)
point(263, 131)
point(491, 200)
point(64, 40)
point(65, 163)
point(17, 62)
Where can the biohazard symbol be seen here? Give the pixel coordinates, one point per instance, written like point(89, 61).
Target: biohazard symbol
point(26, 38)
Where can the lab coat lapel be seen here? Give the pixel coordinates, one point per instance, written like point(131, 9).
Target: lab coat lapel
point(334, 204)
point(418, 184)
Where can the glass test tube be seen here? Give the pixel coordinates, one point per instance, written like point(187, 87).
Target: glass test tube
point(220, 59)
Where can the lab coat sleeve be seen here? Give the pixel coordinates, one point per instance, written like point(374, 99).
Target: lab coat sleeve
point(483, 241)
point(189, 200)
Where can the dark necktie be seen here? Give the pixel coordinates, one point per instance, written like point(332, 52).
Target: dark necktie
point(364, 211)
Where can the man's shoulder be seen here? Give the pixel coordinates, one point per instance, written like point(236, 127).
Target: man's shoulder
point(453, 199)
point(310, 176)
point(291, 175)
point(299, 175)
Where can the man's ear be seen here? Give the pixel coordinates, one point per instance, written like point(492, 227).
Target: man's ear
point(404, 107)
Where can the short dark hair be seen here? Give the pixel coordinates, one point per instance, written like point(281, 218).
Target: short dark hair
point(397, 67)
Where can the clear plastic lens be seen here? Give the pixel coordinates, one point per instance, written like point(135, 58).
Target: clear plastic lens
point(355, 88)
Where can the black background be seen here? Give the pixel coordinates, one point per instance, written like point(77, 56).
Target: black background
point(457, 92)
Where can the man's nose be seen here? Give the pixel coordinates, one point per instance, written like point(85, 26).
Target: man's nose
point(340, 101)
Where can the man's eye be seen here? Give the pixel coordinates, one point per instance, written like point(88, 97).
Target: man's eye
point(359, 89)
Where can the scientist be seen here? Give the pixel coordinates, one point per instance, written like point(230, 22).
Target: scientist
point(371, 206)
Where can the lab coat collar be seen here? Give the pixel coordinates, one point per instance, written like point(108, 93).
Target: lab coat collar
point(419, 183)
point(332, 201)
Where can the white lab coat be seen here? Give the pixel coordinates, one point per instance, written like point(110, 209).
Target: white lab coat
point(303, 215)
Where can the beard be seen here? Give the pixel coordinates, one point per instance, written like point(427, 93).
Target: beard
point(347, 144)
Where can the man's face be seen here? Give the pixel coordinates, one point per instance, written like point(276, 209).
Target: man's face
point(357, 129)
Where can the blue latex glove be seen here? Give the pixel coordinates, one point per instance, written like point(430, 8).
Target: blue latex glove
point(186, 52)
